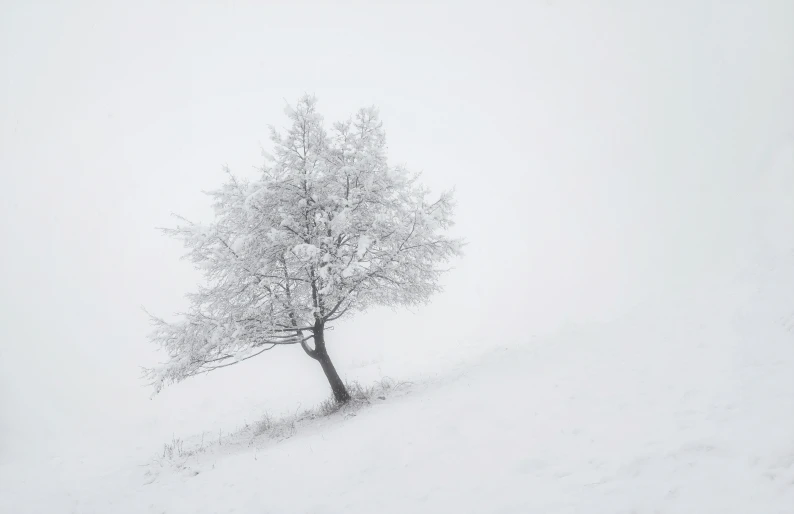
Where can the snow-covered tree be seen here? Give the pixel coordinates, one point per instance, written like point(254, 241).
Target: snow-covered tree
point(327, 230)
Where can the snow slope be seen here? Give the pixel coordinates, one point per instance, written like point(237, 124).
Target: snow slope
point(682, 406)
point(676, 424)
point(686, 412)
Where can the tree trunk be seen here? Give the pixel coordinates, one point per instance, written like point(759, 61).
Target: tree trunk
point(321, 354)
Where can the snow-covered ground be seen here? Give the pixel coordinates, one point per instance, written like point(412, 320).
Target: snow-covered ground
point(684, 405)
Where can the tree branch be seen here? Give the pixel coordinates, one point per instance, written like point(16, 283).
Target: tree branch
point(202, 369)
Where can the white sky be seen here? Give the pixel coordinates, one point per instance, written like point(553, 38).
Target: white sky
point(600, 150)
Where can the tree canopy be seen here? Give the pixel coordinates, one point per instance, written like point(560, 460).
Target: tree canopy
point(328, 229)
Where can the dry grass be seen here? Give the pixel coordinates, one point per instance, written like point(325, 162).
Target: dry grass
point(360, 396)
point(173, 449)
point(284, 427)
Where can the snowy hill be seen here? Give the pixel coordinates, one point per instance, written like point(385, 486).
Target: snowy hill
point(694, 419)
point(681, 406)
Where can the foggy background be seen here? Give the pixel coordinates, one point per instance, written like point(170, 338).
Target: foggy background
point(595, 162)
